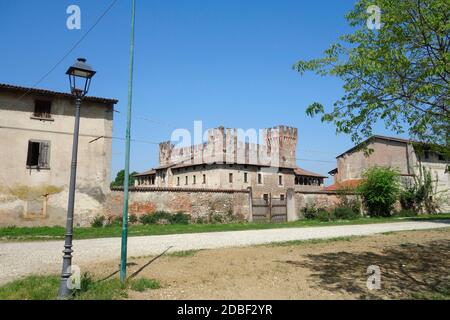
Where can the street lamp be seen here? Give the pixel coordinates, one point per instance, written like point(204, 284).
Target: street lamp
point(80, 75)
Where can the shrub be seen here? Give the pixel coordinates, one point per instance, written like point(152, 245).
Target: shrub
point(115, 221)
point(217, 218)
point(133, 218)
point(200, 220)
point(154, 218)
point(98, 222)
point(347, 213)
point(180, 218)
point(311, 212)
point(324, 215)
point(379, 190)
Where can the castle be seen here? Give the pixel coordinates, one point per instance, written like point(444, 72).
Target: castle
point(227, 161)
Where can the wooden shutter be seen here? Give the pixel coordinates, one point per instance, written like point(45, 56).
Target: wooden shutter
point(44, 154)
point(29, 155)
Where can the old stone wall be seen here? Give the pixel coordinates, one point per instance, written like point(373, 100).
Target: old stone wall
point(198, 203)
point(316, 199)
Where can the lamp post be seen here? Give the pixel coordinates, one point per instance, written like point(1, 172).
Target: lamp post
point(80, 75)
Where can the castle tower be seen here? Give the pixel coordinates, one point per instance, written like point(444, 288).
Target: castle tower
point(165, 152)
point(282, 144)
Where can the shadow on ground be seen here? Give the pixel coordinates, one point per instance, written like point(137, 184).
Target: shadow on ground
point(407, 271)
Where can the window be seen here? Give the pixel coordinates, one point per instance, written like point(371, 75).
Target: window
point(266, 197)
point(38, 154)
point(230, 178)
point(42, 109)
point(204, 178)
point(187, 180)
point(259, 178)
point(178, 181)
point(194, 180)
point(245, 177)
point(282, 197)
point(280, 180)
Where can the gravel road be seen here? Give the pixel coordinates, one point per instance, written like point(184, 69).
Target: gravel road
point(18, 259)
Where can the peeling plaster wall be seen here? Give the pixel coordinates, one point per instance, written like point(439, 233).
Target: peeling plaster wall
point(94, 159)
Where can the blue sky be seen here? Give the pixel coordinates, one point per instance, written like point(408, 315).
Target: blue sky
point(222, 62)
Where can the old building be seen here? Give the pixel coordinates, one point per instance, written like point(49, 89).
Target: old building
point(225, 163)
point(401, 154)
point(36, 132)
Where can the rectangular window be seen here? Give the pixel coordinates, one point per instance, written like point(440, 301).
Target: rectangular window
point(282, 197)
point(194, 180)
point(280, 180)
point(42, 109)
point(266, 197)
point(259, 178)
point(245, 177)
point(178, 181)
point(204, 178)
point(186, 180)
point(38, 154)
point(230, 178)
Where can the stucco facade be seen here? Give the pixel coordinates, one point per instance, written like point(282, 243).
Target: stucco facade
point(33, 189)
point(396, 153)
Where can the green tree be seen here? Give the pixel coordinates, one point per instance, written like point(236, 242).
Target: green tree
point(399, 73)
point(118, 182)
point(379, 190)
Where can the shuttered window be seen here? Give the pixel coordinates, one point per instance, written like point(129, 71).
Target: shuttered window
point(38, 156)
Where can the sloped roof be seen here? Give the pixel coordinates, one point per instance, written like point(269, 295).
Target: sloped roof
point(146, 173)
point(346, 184)
point(13, 88)
point(303, 172)
point(373, 138)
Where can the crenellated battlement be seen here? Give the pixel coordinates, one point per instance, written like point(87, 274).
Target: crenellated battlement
point(277, 147)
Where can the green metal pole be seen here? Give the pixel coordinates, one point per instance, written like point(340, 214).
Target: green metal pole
point(123, 255)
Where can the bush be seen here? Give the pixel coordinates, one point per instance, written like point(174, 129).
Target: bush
point(380, 190)
point(98, 222)
point(324, 215)
point(346, 213)
point(180, 218)
point(154, 218)
point(115, 221)
point(133, 218)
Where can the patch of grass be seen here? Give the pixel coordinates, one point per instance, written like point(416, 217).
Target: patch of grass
point(52, 233)
point(143, 284)
point(31, 288)
point(186, 253)
point(46, 288)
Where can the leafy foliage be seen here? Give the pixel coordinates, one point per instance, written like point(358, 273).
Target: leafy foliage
point(399, 74)
point(346, 213)
point(120, 177)
point(160, 217)
point(379, 190)
point(98, 222)
point(420, 196)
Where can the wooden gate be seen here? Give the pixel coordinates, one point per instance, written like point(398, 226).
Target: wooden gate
point(269, 209)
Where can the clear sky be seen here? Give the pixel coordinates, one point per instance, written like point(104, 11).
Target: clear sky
point(224, 62)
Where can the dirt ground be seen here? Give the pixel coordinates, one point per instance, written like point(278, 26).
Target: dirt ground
point(413, 264)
